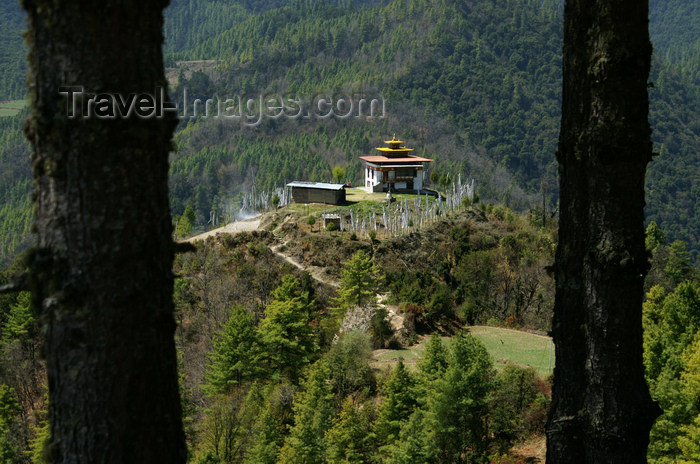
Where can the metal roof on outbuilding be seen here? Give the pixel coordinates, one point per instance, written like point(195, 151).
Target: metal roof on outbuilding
point(316, 185)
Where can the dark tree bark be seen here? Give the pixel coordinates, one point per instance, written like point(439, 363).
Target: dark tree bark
point(102, 270)
point(601, 410)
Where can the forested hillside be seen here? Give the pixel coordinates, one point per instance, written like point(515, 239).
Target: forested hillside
point(674, 177)
point(13, 62)
point(475, 86)
point(675, 33)
point(264, 379)
point(16, 211)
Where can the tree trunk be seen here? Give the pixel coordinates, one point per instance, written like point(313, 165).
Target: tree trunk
point(601, 410)
point(102, 270)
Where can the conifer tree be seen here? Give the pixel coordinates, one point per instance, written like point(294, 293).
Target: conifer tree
point(102, 269)
point(654, 237)
point(398, 403)
point(314, 410)
point(678, 267)
point(514, 391)
point(20, 320)
point(348, 439)
point(689, 443)
point(286, 333)
point(9, 409)
point(348, 359)
point(359, 282)
point(689, 436)
point(186, 223)
point(601, 408)
point(37, 445)
point(458, 402)
point(672, 325)
point(270, 426)
point(434, 360)
point(236, 354)
point(414, 444)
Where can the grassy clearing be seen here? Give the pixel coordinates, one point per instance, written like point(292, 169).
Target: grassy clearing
point(506, 346)
point(359, 194)
point(12, 107)
point(357, 200)
point(513, 346)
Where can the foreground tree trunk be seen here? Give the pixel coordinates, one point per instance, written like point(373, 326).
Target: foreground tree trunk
point(102, 268)
point(601, 410)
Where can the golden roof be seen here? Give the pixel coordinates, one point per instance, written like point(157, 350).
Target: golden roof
point(393, 141)
point(394, 146)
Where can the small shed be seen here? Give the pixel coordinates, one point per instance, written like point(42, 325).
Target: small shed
point(317, 192)
point(329, 218)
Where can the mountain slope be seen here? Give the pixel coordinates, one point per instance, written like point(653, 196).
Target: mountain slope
point(13, 68)
point(473, 85)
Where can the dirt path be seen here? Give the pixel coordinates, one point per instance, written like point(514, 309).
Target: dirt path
point(394, 317)
point(231, 228)
point(318, 273)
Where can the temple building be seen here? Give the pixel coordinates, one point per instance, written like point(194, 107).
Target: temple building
point(394, 170)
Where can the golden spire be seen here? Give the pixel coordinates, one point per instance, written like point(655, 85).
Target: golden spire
point(395, 147)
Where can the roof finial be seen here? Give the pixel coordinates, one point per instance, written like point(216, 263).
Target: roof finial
point(393, 137)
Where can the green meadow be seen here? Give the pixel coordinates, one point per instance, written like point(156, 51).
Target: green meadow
point(506, 346)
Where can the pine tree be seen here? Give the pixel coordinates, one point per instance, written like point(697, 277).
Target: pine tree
point(671, 323)
point(286, 332)
point(414, 444)
point(689, 443)
point(348, 440)
point(37, 446)
point(515, 390)
point(360, 281)
point(9, 409)
point(236, 355)
point(20, 322)
point(601, 408)
point(678, 267)
point(186, 223)
point(102, 269)
point(458, 402)
point(270, 426)
point(314, 409)
point(689, 433)
point(654, 237)
point(398, 403)
point(434, 360)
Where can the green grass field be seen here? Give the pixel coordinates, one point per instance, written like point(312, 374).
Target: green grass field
point(12, 107)
point(506, 346)
point(358, 200)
